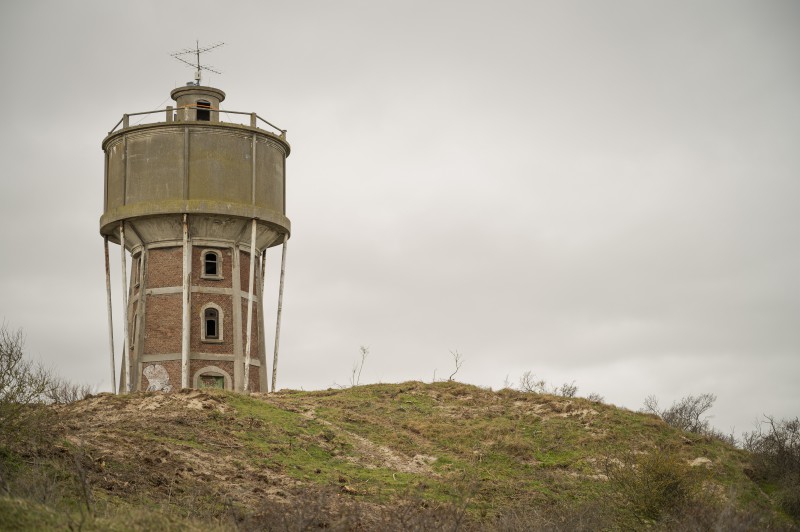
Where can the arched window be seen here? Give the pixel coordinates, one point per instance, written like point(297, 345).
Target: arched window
point(212, 377)
point(212, 264)
point(212, 323)
point(203, 110)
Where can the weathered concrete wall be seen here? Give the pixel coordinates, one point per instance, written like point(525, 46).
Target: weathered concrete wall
point(149, 165)
point(202, 168)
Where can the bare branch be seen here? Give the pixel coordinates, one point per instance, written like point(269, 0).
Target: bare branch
point(687, 414)
point(458, 360)
point(568, 389)
point(595, 397)
point(529, 384)
point(358, 366)
point(22, 384)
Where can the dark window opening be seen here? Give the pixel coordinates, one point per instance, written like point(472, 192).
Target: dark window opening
point(212, 381)
point(137, 267)
point(135, 336)
point(203, 110)
point(211, 318)
point(211, 264)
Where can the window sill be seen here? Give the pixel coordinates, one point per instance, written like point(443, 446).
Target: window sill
point(212, 341)
point(211, 277)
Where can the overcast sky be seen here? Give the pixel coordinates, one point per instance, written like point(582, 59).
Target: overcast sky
point(599, 191)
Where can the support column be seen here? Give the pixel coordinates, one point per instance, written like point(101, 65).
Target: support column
point(110, 320)
point(238, 348)
point(126, 345)
point(248, 347)
point(186, 322)
point(140, 319)
point(262, 352)
point(280, 309)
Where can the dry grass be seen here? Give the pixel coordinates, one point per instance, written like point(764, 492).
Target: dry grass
point(407, 456)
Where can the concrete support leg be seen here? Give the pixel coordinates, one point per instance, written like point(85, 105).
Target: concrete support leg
point(238, 323)
point(280, 310)
point(126, 356)
point(186, 322)
point(262, 352)
point(251, 285)
point(110, 320)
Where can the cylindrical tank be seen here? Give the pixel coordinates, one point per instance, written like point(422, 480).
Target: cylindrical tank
point(221, 174)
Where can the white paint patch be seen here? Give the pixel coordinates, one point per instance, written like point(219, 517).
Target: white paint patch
point(157, 378)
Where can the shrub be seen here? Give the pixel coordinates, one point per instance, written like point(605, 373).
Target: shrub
point(651, 484)
point(22, 386)
point(686, 414)
point(595, 397)
point(568, 389)
point(61, 392)
point(776, 459)
point(529, 384)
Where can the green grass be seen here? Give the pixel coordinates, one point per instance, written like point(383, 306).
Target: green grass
point(445, 443)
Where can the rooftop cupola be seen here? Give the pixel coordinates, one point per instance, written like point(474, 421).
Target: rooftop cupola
point(196, 102)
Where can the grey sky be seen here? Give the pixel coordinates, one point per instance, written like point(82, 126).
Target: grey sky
point(604, 192)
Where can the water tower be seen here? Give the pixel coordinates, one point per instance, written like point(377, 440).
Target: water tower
point(196, 200)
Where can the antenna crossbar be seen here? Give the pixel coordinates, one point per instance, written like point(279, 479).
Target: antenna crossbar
point(196, 64)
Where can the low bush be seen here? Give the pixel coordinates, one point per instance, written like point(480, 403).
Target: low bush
point(22, 386)
point(775, 448)
point(650, 485)
point(687, 414)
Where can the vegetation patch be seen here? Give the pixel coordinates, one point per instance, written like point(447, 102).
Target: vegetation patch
point(435, 456)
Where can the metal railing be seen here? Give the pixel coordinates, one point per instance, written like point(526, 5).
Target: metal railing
point(173, 115)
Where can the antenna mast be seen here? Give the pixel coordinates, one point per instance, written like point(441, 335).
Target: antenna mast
point(196, 65)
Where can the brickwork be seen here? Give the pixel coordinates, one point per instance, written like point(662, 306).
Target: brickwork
point(173, 368)
point(244, 271)
point(164, 312)
point(163, 324)
point(164, 267)
point(254, 380)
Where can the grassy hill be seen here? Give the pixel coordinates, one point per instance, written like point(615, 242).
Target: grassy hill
point(408, 456)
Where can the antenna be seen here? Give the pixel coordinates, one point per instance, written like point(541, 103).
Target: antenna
point(196, 52)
